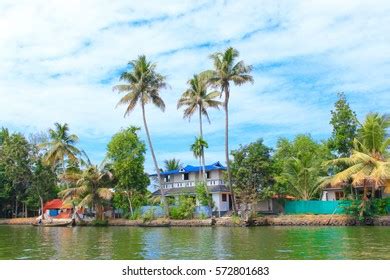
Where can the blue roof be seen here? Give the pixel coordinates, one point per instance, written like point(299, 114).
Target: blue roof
point(190, 168)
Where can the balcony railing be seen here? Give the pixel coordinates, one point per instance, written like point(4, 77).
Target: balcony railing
point(184, 184)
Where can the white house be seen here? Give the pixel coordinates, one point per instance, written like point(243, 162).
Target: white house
point(183, 182)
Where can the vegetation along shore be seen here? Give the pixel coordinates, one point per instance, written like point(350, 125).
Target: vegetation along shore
point(342, 180)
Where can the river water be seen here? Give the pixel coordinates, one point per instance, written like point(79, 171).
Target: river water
point(128, 243)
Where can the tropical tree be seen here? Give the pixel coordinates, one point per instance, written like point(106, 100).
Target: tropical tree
point(226, 71)
point(364, 169)
point(91, 188)
point(60, 147)
point(197, 148)
point(299, 164)
point(345, 125)
point(143, 85)
point(369, 164)
point(252, 172)
point(197, 98)
point(15, 169)
point(373, 135)
point(126, 155)
point(172, 164)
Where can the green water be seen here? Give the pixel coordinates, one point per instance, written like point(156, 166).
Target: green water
point(27, 242)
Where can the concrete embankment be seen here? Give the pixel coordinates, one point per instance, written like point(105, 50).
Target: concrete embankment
point(281, 220)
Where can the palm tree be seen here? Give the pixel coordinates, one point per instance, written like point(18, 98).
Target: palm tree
point(302, 176)
point(373, 136)
point(172, 164)
point(142, 87)
point(197, 98)
point(197, 149)
point(60, 146)
point(364, 169)
point(225, 71)
point(91, 188)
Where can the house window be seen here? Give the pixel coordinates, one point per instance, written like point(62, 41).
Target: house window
point(224, 197)
point(167, 178)
point(186, 176)
point(208, 174)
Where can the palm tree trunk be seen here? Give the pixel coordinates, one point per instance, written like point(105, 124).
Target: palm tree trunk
point(202, 152)
point(364, 199)
point(229, 182)
point(164, 201)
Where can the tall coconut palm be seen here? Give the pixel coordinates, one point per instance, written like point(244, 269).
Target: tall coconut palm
point(60, 147)
point(91, 188)
point(172, 164)
point(364, 169)
point(142, 86)
point(373, 136)
point(197, 98)
point(197, 149)
point(227, 70)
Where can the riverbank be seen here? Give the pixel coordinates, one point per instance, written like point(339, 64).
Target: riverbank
point(281, 220)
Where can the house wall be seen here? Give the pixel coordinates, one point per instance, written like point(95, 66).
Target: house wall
point(329, 195)
point(219, 204)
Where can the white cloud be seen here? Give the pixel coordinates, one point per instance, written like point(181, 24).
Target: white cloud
point(54, 56)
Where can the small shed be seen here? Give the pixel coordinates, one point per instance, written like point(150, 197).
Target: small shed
point(56, 208)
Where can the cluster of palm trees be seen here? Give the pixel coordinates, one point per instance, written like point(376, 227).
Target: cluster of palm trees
point(142, 85)
point(369, 163)
point(88, 187)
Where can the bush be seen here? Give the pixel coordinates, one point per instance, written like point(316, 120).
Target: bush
point(148, 215)
point(99, 223)
point(380, 206)
point(136, 215)
point(184, 210)
point(202, 196)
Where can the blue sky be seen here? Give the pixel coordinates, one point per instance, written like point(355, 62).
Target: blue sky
point(60, 59)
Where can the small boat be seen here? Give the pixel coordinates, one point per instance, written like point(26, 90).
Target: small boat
point(54, 224)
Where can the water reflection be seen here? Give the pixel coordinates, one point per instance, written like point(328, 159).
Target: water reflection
point(27, 242)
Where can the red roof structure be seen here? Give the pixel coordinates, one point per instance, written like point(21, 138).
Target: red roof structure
point(55, 204)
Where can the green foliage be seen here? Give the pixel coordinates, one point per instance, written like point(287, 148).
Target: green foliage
point(252, 171)
point(373, 136)
point(344, 123)
point(43, 185)
point(148, 215)
point(126, 153)
point(203, 197)
point(99, 223)
point(136, 215)
point(60, 146)
point(172, 164)
point(236, 219)
point(202, 216)
point(184, 209)
point(15, 170)
point(381, 206)
point(92, 188)
point(300, 165)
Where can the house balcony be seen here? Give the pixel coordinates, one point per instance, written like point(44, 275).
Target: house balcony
point(185, 184)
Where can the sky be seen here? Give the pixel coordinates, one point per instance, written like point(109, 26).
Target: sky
point(60, 59)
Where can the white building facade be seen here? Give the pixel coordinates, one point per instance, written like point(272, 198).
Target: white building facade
point(183, 182)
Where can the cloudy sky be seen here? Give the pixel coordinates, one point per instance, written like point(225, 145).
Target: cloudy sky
point(60, 59)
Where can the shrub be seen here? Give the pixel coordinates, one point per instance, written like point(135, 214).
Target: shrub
point(148, 215)
point(202, 196)
point(99, 223)
point(136, 215)
point(380, 206)
point(184, 210)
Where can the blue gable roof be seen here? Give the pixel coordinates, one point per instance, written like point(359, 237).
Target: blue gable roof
point(190, 168)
